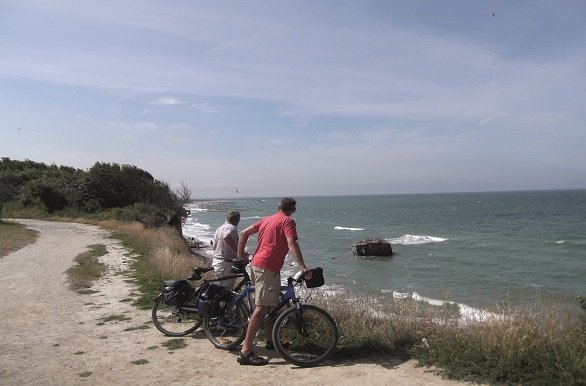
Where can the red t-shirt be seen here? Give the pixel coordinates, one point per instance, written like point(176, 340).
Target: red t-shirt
point(272, 247)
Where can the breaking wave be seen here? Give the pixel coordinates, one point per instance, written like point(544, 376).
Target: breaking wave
point(347, 229)
point(416, 239)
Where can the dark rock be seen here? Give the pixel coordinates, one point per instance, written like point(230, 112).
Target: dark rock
point(372, 248)
point(192, 242)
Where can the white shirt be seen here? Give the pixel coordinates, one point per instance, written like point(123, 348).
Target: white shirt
point(221, 250)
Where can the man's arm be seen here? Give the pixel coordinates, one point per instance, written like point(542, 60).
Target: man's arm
point(244, 235)
point(296, 251)
point(230, 244)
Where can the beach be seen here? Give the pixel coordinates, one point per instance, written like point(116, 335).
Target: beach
point(52, 335)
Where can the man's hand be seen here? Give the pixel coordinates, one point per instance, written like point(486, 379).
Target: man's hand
point(245, 257)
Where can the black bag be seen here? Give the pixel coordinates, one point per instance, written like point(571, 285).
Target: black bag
point(213, 300)
point(177, 292)
point(317, 278)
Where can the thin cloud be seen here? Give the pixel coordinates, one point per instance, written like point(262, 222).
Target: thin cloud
point(208, 108)
point(167, 101)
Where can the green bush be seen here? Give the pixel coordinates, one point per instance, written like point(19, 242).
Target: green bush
point(132, 193)
point(545, 346)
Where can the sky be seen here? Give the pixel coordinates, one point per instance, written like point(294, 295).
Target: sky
point(297, 98)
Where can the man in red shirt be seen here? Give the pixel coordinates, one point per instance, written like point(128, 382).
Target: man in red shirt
point(277, 235)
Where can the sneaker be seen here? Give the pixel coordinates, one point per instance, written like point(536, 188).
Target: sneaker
point(271, 346)
point(251, 359)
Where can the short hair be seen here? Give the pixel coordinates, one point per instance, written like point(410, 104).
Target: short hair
point(232, 216)
point(287, 204)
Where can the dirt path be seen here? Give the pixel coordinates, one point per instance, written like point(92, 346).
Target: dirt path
point(50, 335)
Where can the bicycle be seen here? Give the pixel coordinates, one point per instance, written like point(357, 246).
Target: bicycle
point(180, 317)
point(303, 334)
point(225, 330)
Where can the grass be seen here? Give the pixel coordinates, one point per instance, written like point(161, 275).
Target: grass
point(15, 236)
point(542, 345)
point(158, 254)
point(140, 362)
point(174, 344)
point(141, 327)
point(87, 270)
point(115, 318)
point(16, 209)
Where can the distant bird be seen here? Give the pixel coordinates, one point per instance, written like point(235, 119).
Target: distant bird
point(493, 15)
point(237, 190)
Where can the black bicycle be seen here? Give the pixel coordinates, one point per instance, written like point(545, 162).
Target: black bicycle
point(226, 315)
point(176, 310)
point(303, 334)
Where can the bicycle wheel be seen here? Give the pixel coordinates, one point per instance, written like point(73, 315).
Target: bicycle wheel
point(229, 330)
point(305, 337)
point(174, 320)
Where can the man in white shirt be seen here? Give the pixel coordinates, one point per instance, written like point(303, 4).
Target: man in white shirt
point(225, 247)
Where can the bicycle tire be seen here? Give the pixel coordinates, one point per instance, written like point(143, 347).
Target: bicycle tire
point(174, 320)
point(226, 332)
point(306, 336)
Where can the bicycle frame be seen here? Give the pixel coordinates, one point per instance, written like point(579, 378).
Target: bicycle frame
point(288, 296)
point(303, 334)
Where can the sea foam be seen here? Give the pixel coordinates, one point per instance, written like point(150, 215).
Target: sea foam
point(347, 229)
point(468, 314)
point(416, 239)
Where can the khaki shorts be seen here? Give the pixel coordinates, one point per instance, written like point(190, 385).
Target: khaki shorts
point(224, 268)
point(267, 287)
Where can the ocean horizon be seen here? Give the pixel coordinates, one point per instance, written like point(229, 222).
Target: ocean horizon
point(477, 250)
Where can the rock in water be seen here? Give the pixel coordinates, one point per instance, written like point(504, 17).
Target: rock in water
point(372, 248)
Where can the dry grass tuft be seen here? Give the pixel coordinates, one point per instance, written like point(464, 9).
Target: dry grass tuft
point(88, 268)
point(15, 236)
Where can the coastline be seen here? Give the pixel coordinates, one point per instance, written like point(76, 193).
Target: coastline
point(102, 339)
point(448, 247)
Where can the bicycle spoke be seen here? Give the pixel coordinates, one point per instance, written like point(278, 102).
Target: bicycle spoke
point(305, 338)
point(227, 331)
point(173, 320)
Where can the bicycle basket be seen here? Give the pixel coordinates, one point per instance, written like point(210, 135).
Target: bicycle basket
point(177, 292)
point(213, 299)
point(317, 278)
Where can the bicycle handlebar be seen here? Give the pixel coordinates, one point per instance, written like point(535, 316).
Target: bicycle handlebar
point(299, 277)
point(196, 274)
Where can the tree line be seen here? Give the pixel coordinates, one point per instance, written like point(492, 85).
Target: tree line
point(124, 191)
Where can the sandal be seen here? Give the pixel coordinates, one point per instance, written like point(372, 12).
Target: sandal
point(251, 359)
point(271, 346)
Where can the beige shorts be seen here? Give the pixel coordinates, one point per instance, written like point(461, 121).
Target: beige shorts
point(267, 287)
point(223, 268)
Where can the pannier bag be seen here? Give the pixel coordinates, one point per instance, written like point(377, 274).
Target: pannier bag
point(177, 292)
point(317, 278)
point(212, 300)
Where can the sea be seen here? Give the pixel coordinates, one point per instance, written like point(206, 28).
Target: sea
point(477, 250)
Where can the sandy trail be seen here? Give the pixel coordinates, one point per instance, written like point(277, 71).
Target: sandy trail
point(50, 335)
